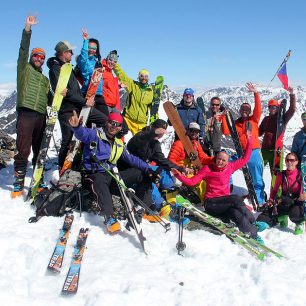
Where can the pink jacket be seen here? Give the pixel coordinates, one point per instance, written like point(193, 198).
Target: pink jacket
point(291, 175)
point(217, 179)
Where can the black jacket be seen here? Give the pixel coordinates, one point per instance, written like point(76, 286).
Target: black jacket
point(148, 149)
point(74, 99)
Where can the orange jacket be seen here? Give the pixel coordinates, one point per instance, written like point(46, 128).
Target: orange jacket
point(254, 120)
point(177, 154)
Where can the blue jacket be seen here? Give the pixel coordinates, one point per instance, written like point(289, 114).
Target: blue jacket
point(102, 150)
point(86, 65)
point(192, 114)
point(299, 143)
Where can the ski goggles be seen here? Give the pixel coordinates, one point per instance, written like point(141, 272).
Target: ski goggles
point(39, 56)
point(290, 160)
point(92, 47)
point(114, 123)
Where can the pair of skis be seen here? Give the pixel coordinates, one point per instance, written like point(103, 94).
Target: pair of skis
point(252, 246)
point(72, 279)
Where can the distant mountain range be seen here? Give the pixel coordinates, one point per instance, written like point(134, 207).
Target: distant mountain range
point(231, 96)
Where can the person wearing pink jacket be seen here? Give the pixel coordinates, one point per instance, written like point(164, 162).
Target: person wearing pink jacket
point(217, 200)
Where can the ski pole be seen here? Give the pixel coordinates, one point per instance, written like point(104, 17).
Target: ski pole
point(165, 225)
point(180, 246)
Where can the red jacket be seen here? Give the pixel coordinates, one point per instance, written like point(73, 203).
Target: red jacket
point(254, 120)
point(177, 154)
point(110, 87)
point(217, 179)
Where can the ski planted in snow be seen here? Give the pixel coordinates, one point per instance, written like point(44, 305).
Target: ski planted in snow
point(252, 246)
point(57, 257)
point(181, 132)
point(158, 87)
point(246, 172)
point(42, 155)
point(75, 143)
point(72, 280)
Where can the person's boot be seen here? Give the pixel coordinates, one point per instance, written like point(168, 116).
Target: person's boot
point(112, 224)
point(42, 185)
point(299, 228)
point(283, 221)
point(18, 184)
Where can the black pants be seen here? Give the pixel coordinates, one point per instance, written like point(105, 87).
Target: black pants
point(103, 186)
point(232, 208)
point(294, 209)
point(95, 116)
point(30, 128)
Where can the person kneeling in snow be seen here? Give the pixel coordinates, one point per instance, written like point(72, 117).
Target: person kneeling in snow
point(108, 149)
point(217, 200)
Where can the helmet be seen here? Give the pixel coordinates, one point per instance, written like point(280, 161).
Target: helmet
point(273, 103)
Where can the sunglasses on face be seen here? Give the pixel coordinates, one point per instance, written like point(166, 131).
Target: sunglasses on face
point(273, 107)
point(144, 76)
point(291, 160)
point(115, 124)
point(39, 56)
point(245, 109)
point(304, 119)
point(92, 47)
point(214, 104)
point(194, 131)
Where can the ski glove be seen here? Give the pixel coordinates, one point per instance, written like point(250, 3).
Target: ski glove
point(154, 175)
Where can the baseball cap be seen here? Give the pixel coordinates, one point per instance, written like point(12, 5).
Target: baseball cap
point(189, 91)
point(63, 46)
point(194, 125)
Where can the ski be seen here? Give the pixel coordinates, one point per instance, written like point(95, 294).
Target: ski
point(57, 257)
point(246, 172)
point(158, 87)
point(72, 280)
point(75, 143)
point(181, 132)
point(42, 155)
point(252, 246)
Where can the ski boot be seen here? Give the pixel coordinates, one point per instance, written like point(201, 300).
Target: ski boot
point(18, 184)
point(283, 221)
point(299, 228)
point(174, 215)
point(112, 224)
point(261, 226)
point(165, 210)
point(259, 240)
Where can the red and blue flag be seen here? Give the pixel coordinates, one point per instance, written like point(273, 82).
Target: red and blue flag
point(282, 75)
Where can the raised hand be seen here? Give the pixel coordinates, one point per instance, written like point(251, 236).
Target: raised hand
point(74, 120)
point(30, 21)
point(251, 87)
point(290, 90)
point(85, 34)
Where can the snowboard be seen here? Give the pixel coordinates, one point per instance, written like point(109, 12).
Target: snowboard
point(56, 104)
point(157, 95)
point(246, 172)
point(252, 246)
point(181, 132)
point(75, 143)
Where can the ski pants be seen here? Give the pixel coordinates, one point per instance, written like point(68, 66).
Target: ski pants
point(103, 186)
point(95, 116)
point(30, 128)
point(255, 165)
point(294, 209)
point(232, 208)
point(268, 158)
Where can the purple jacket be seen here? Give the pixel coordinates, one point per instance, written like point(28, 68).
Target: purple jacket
point(102, 150)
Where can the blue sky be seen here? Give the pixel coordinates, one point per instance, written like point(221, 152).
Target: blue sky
point(191, 43)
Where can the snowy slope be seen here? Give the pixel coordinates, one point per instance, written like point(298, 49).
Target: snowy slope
point(213, 271)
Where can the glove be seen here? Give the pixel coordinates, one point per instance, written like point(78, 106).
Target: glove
point(154, 175)
point(269, 203)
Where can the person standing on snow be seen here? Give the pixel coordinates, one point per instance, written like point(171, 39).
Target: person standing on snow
point(32, 101)
point(217, 199)
point(299, 140)
point(268, 128)
point(140, 98)
point(255, 163)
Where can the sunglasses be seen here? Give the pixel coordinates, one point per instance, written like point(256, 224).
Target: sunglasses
point(144, 76)
point(246, 109)
point(215, 104)
point(304, 119)
point(291, 160)
point(194, 131)
point(115, 124)
point(92, 47)
point(273, 107)
point(39, 56)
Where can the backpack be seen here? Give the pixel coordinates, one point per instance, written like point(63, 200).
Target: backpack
point(62, 198)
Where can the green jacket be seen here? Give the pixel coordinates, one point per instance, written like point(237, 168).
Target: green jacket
point(140, 99)
point(32, 85)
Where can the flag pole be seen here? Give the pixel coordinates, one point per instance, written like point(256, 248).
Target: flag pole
point(281, 65)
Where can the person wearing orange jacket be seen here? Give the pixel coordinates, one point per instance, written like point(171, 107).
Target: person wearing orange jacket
point(177, 155)
point(255, 163)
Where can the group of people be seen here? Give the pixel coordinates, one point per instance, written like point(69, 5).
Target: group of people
point(142, 164)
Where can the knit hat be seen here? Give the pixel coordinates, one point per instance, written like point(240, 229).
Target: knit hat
point(189, 91)
point(159, 123)
point(115, 117)
point(194, 125)
point(63, 46)
point(273, 103)
point(38, 51)
point(113, 56)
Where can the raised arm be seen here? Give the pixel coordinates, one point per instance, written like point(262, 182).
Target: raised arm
point(291, 110)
